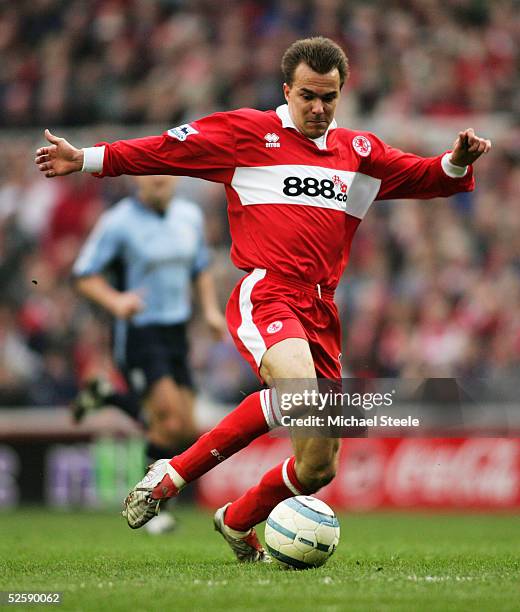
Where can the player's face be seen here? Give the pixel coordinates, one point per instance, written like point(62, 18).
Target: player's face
point(156, 191)
point(312, 99)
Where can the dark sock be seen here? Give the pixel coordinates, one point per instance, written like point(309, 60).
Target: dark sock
point(182, 445)
point(127, 402)
point(155, 452)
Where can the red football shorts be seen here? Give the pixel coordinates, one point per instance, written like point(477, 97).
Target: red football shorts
point(265, 309)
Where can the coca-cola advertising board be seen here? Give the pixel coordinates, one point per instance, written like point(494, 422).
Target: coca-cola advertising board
point(435, 473)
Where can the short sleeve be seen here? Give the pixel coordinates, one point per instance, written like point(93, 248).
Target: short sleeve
point(101, 247)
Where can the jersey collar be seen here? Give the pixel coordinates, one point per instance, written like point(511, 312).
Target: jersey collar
point(283, 112)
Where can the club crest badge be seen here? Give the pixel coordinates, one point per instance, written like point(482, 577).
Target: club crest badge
point(274, 327)
point(362, 146)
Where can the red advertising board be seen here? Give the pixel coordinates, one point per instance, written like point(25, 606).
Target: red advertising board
point(469, 473)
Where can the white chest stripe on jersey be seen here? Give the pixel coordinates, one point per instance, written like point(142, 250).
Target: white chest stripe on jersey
point(350, 192)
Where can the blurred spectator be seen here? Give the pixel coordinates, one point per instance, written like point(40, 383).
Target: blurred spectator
point(18, 364)
point(80, 62)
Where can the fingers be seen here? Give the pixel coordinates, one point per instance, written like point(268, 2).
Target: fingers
point(43, 160)
point(479, 146)
point(483, 146)
point(472, 143)
point(45, 164)
point(45, 155)
point(466, 138)
point(43, 151)
point(134, 301)
point(47, 168)
point(51, 138)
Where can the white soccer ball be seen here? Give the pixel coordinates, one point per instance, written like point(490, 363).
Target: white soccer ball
point(302, 532)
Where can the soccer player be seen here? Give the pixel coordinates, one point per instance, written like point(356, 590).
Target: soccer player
point(155, 245)
point(297, 187)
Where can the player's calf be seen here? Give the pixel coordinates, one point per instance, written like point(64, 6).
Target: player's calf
point(316, 461)
point(314, 478)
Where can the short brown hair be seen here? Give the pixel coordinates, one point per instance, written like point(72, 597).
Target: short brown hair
point(319, 53)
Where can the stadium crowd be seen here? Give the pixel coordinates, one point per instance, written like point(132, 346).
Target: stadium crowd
point(77, 62)
point(432, 288)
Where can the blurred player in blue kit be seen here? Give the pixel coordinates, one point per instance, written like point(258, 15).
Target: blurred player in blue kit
point(139, 264)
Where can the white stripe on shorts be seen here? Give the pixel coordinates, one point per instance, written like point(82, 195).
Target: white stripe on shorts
point(248, 331)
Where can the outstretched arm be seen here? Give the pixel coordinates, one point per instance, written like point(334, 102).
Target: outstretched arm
point(404, 175)
point(59, 158)
point(203, 149)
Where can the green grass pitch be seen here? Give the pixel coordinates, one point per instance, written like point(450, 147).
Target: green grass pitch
point(384, 562)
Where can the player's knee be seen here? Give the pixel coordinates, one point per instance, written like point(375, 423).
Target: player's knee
point(164, 405)
point(172, 430)
point(167, 421)
point(164, 436)
point(289, 359)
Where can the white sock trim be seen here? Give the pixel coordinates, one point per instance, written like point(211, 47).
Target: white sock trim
point(275, 410)
point(286, 480)
point(233, 532)
point(239, 535)
point(269, 403)
point(265, 409)
point(175, 477)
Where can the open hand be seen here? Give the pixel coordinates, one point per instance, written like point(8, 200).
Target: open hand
point(468, 147)
point(58, 159)
point(127, 304)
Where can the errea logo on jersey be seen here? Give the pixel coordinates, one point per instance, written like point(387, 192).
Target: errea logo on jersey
point(182, 132)
point(272, 140)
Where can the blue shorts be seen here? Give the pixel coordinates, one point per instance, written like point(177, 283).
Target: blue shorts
point(156, 351)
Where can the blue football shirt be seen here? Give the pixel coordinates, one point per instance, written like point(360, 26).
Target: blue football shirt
point(159, 255)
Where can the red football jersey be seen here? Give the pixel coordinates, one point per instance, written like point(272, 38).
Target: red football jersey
point(294, 204)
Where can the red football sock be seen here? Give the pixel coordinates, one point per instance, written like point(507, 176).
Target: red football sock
point(248, 421)
point(256, 504)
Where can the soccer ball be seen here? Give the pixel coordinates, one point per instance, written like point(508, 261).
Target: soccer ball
point(302, 532)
